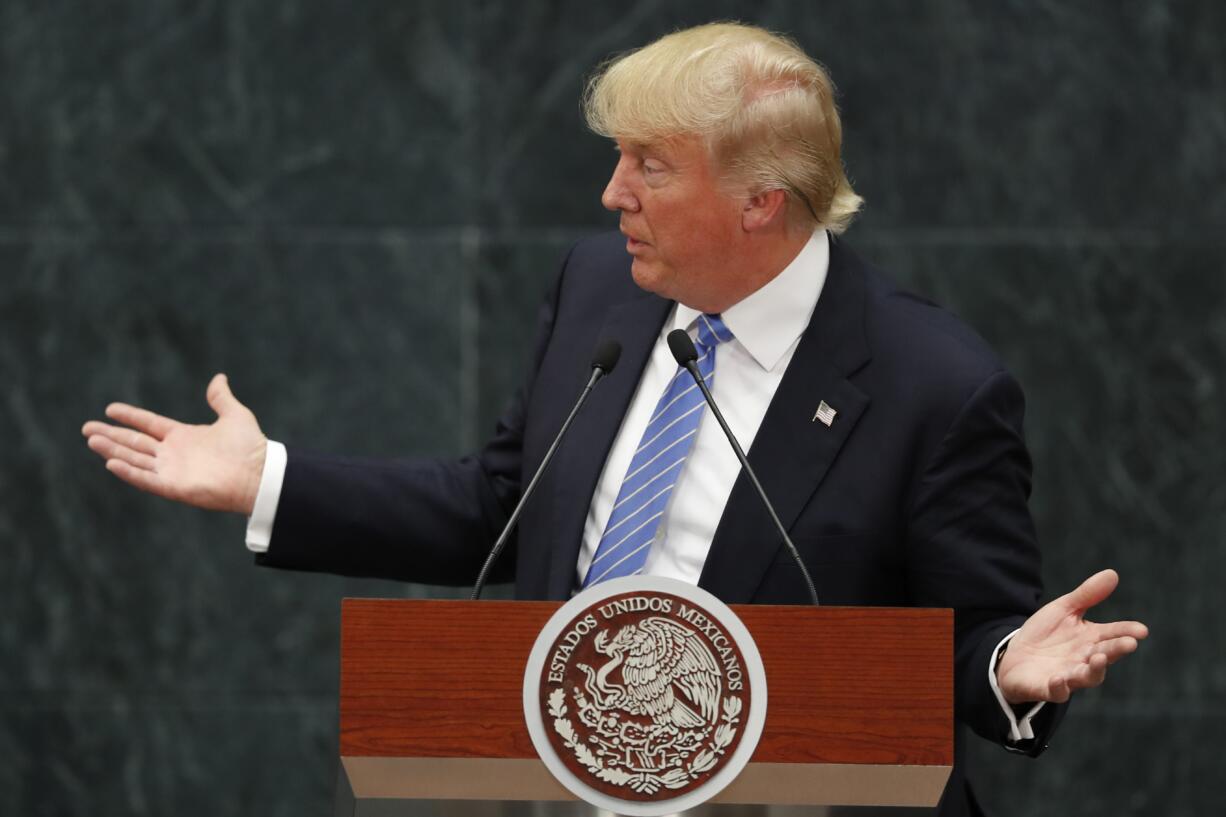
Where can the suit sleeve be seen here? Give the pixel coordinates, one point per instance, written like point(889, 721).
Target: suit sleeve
point(973, 548)
point(421, 520)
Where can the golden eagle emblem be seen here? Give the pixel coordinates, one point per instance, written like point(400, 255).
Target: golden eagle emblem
point(655, 711)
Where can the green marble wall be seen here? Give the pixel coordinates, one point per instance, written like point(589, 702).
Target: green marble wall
point(353, 208)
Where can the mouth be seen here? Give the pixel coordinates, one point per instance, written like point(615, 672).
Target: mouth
point(633, 243)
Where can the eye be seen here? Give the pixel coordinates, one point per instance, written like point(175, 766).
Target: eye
point(652, 167)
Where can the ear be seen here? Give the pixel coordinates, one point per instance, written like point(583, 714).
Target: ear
point(763, 209)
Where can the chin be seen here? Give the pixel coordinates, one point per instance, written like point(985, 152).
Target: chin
point(651, 278)
point(643, 275)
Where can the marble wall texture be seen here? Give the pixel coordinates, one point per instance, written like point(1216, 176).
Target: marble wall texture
point(353, 208)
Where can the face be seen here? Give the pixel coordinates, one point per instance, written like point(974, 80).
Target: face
point(683, 232)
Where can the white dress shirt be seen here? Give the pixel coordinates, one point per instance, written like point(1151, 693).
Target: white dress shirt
point(766, 327)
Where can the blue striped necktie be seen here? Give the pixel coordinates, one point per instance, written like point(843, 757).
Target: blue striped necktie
point(656, 465)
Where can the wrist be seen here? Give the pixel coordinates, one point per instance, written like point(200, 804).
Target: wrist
point(1001, 667)
point(1000, 657)
point(254, 477)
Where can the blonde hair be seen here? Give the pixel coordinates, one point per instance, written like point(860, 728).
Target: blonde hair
point(763, 107)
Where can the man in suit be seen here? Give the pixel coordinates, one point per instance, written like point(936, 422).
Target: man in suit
point(886, 432)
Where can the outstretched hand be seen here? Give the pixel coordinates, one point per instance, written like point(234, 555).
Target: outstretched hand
point(216, 467)
point(1058, 651)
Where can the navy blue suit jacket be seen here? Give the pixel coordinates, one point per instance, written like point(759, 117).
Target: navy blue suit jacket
point(916, 495)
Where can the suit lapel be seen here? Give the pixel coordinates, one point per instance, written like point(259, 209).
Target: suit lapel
point(636, 325)
point(792, 451)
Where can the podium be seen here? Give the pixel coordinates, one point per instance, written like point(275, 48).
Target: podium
point(431, 706)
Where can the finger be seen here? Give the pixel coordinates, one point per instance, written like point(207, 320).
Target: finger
point(1115, 648)
point(1119, 629)
point(1057, 689)
point(127, 437)
point(1090, 674)
point(110, 449)
point(95, 443)
point(220, 398)
point(148, 481)
point(155, 425)
point(1093, 590)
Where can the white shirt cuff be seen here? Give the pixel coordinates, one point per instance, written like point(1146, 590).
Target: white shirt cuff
point(1018, 729)
point(259, 524)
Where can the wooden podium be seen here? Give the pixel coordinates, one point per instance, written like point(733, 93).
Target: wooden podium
point(860, 703)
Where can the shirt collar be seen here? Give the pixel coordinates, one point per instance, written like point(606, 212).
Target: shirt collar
point(770, 320)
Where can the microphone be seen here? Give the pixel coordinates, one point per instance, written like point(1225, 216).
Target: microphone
point(603, 361)
point(685, 354)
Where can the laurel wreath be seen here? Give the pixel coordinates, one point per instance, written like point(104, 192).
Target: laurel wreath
point(647, 782)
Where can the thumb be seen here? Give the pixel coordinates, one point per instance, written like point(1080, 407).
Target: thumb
point(220, 398)
point(1093, 590)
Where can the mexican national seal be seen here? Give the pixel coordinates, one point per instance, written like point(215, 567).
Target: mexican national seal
point(644, 696)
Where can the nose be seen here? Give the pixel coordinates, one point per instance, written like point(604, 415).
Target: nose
point(617, 193)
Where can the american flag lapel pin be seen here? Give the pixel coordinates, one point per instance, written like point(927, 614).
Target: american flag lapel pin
point(824, 413)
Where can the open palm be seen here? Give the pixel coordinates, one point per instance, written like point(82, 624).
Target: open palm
point(1058, 651)
point(215, 467)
